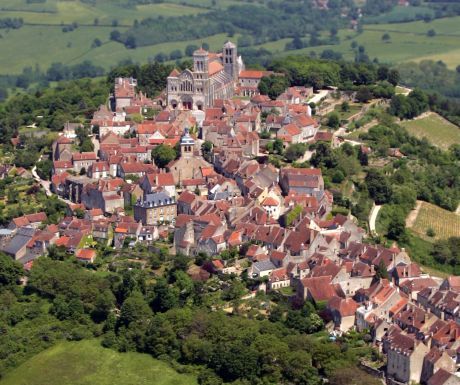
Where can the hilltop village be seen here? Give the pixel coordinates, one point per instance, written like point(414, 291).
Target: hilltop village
point(219, 194)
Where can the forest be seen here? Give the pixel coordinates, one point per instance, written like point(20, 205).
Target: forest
point(170, 318)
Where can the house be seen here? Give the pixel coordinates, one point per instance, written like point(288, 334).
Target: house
point(155, 208)
point(272, 207)
point(302, 181)
point(28, 220)
point(82, 161)
point(17, 245)
point(405, 357)
point(262, 269)
point(98, 170)
point(86, 255)
point(279, 278)
point(442, 377)
point(317, 289)
point(342, 311)
point(127, 229)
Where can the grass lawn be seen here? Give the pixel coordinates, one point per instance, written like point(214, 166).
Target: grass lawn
point(444, 223)
point(435, 128)
point(344, 115)
point(86, 362)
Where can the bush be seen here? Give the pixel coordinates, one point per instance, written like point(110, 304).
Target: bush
point(430, 232)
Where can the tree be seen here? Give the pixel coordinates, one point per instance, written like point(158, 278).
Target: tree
point(190, 49)
point(130, 42)
point(163, 154)
point(333, 120)
point(165, 297)
point(393, 77)
point(278, 146)
point(206, 149)
point(273, 85)
point(378, 186)
point(96, 43)
point(397, 227)
point(345, 106)
point(10, 271)
point(175, 55)
point(386, 37)
point(115, 35)
point(44, 168)
point(295, 151)
point(134, 309)
point(364, 94)
point(382, 271)
point(431, 33)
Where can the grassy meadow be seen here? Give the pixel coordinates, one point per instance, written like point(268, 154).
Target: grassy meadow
point(408, 42)
point(435, 128)
point(86, 362)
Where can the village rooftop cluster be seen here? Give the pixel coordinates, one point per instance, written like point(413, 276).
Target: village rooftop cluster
point(228, 199)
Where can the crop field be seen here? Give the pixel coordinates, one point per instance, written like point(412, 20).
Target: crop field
point(444, 223)
point(435, 128)
point(86, 362)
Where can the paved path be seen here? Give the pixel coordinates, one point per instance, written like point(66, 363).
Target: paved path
point(44, 183)
point(373, 216)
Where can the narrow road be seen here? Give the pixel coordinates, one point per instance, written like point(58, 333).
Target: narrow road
point(373, 217)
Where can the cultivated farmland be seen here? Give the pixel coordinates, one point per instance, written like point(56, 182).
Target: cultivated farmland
point(444, 223)
point(435, 128)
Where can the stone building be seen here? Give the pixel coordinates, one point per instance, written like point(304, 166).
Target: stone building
point(190, 163)
point(155, 209)
point(214, 76)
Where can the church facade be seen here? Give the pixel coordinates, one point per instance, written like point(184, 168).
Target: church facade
point(214, 76)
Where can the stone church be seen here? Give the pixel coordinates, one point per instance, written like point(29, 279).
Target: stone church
point(214, 76)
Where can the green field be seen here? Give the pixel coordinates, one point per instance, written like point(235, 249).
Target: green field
point(42, 41)
point(408, 42)
point(86, 362)
point(435, 128)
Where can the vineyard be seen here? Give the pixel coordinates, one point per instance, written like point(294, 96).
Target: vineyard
point(444, 223)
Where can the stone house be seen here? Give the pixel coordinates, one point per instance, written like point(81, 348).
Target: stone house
point(155, 208)
point(405, 357)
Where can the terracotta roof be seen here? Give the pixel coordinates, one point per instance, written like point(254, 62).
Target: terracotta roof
point(440, 378)
point(215, 67)
point(345, 306)
point(253, 74)
point(174, 73)
point(86, 254)
point(320, 288)
point(269, 201)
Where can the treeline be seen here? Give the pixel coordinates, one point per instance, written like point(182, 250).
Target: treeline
point(52, 107)
point(56, 72)
point(151, 77)
point(13, 23)
point(432, 76)
point(275, 21)
point(318, 73)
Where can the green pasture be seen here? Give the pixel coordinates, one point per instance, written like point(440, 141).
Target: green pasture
point(86, 362)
